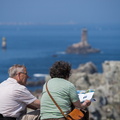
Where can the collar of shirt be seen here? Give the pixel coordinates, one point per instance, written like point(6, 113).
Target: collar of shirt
point(12, 80)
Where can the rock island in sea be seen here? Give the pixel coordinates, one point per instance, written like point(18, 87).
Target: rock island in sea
point(83, 47)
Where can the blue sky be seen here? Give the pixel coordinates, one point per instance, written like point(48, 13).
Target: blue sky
point(60, 11)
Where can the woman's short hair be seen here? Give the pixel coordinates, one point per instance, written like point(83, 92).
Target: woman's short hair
point(15, 69)
point(60, 69)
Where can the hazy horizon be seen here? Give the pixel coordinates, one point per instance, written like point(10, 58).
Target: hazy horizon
point(60, 11)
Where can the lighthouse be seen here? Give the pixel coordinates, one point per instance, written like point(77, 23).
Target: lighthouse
point(84, 40)
point(82, 47)
point(4, 43)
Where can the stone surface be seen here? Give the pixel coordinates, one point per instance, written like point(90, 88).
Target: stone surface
point(107, 86)
point(87, 68)
point(81, 50)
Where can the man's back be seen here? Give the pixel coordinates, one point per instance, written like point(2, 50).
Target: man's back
point(12, 98)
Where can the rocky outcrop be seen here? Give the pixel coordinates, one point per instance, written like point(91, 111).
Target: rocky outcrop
point(35, 83)
point(86, 68)
point(82, 47)
point(107, 86)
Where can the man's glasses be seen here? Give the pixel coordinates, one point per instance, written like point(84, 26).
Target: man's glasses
point(25, 74)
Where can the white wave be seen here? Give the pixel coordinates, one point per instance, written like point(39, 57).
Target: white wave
point(61, 52)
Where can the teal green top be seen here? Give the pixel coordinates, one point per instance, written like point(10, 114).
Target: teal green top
point(64, 93)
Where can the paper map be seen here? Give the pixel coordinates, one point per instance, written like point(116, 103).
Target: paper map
point(86, 95)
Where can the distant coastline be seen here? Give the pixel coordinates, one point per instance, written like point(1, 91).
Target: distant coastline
point(64, 23)
point(31, 23)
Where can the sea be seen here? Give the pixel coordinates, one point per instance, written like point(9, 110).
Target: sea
point(38, 46)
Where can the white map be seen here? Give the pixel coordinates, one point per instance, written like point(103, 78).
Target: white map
point(86, 95)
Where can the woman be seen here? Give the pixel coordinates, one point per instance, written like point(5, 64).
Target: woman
point(63, 92)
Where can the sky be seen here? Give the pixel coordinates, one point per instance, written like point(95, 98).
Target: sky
point(60, 11)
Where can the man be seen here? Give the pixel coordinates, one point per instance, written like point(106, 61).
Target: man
point(14, 96)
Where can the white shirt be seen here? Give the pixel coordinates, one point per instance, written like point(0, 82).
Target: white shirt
point(14, 98)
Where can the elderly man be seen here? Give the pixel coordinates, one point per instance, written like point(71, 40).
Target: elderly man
point(14, 96)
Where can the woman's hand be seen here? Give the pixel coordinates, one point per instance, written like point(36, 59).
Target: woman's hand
point(85, 103)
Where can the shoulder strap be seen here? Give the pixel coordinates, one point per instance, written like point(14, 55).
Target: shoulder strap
point(55, 101)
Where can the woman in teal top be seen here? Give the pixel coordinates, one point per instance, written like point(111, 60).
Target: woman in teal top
point(63, 92)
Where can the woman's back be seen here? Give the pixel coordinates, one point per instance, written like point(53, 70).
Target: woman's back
point(63, 92)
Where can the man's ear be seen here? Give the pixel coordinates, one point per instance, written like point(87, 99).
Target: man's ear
point(17, 77)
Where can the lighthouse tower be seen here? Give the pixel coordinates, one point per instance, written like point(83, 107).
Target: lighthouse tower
point(84, 37)
point(4, 44)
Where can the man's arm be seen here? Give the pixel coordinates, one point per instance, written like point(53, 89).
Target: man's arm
point(34, 105)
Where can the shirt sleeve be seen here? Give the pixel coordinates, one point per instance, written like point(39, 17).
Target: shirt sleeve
point(23, 95)
point(73, 93)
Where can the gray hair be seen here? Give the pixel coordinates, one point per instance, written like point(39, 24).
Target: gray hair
point(15, 69)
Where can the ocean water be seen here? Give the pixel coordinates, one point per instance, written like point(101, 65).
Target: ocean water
point(39, 46)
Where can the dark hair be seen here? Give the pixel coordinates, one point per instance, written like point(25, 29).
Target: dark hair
point(60, 69)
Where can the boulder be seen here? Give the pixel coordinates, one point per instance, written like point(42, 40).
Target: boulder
point(89, 67)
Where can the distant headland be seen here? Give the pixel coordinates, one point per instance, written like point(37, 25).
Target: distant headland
point(83, 47)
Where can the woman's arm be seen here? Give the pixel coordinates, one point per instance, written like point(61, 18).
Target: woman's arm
point(83, 105)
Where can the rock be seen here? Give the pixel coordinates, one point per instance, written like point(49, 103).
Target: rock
point(81, 81)
point(87, 68)
point(35, 83)
point(55, 55)
point(111, 71)
point(107, 89)
point(81, 50)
